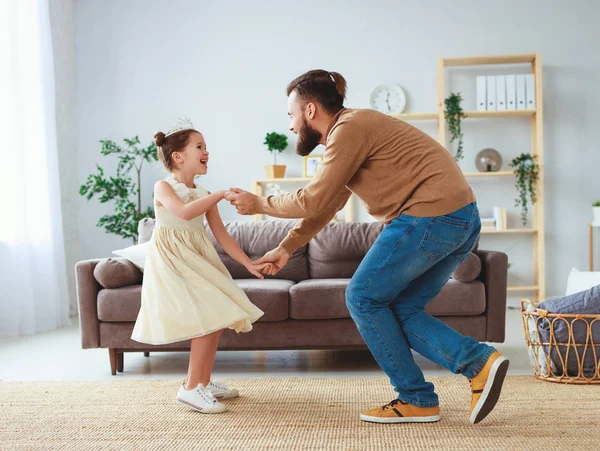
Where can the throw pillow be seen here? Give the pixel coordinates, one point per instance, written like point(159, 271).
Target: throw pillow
point(135, 254)
point(581, 280)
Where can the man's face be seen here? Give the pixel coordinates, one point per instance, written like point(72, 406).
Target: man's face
point(308, 137)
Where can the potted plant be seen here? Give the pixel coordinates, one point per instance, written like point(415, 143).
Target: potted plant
point(596, 213)
point(276, 143)
point(526, 172)
point(454, 114)
point(119, 189)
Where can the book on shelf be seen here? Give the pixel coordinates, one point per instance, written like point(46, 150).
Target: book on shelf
point(488, 223)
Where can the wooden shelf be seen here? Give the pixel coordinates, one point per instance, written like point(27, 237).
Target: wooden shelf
point(505, 113)
point(523, 288)
point(468, 115)
point(285, 180)
point(485, 60)
point(489, 174)
point(416, 116)
point(516, 230)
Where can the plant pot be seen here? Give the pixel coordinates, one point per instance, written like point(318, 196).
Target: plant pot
point(275, 171)
point(596, 215)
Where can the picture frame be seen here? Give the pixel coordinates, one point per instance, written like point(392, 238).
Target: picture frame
point(311, 163)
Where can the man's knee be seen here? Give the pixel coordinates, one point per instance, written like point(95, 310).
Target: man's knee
point(352, 297)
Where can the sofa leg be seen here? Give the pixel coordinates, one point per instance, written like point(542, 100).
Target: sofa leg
point(146, 354)
point(112, 354)
point(120, 361)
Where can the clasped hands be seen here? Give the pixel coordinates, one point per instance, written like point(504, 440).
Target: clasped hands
point(272, 262)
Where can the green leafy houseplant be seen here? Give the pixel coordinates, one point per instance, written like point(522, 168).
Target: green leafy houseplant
point(527, 172)
point(596, 204)
point(454, 114)
point(122, 188)
point(276, 143)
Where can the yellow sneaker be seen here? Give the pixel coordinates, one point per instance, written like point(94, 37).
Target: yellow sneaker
point(399, 411)
point(486, 386)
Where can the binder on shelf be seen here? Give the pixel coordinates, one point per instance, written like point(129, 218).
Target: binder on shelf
point(521, 105)
point(511, 92)
point(500, 92)
point(481, 93)
point(530, 91)
point(491, 92)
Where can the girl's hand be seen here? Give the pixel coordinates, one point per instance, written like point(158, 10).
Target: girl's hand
point(269, 269)
point(253, 270)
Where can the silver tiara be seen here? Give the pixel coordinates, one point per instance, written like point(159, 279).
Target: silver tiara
point(183, 123)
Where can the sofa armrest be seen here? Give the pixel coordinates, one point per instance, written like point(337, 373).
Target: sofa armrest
point(87, 298)
point(494, 275)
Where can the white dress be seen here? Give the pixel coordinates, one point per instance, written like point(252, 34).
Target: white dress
point(187, 292)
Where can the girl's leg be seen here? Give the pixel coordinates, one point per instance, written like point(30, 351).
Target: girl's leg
point(202, 357)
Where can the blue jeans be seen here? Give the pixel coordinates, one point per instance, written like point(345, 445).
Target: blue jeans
point(408, 265)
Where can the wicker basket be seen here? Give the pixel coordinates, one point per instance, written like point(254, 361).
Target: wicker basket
point(554, 352)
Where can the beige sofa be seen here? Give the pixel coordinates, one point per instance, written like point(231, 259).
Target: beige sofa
point(304, 303)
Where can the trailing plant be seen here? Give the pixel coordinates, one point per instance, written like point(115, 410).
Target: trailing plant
point(276, 143)
point(526, 171)
point(121, 188)
point(454, 114)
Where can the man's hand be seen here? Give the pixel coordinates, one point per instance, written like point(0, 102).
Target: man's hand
point(278, 256)
point(242, 200)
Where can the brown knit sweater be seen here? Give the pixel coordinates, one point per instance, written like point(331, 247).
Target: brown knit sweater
point(393, 167)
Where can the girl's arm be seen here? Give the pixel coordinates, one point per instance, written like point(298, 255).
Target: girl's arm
point(230, 245)
point(164, 195)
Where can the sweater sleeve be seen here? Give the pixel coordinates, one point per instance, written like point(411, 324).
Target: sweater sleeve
point(346, 151)
point(307, 228)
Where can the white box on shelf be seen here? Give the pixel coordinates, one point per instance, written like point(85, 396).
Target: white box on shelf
point(521, 102)
point(530, 91)
point(481, 93)
point(511, 92)
point(491, 92)
point(500, 217)
point(500, 92)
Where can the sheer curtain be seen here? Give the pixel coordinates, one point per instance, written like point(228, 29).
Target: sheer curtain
point(33, 291)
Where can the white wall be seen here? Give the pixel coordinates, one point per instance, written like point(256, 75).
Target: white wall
point(62, 21)
point(140, 64)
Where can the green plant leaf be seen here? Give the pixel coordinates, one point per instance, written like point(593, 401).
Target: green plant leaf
point(454, 114)
point(121, 188)
point(526, 172)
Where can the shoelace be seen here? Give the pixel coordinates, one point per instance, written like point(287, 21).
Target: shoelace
point(220, 385)
point(206, 396)
point(392, 404)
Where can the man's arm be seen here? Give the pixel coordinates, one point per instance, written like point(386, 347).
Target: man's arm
point(347, 149)
point(307, 228)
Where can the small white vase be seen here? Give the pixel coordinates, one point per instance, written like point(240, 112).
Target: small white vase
point(596, 216)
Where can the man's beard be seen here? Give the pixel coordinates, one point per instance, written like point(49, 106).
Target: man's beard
point(308, 139)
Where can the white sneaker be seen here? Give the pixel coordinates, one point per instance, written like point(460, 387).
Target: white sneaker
point(200, 399)
point(220, 390)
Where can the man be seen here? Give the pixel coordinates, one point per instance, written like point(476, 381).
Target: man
point(411, 183)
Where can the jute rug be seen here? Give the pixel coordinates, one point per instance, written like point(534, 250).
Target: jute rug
point(296, 414)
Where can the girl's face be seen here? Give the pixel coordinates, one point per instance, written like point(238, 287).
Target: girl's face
point(194, 157)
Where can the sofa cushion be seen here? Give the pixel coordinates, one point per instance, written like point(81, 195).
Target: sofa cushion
point(117, 272)
point(337, 250)
point(469, 270)
point(119, 304)
point(255, 239)
point(326, 299)
point(271, 296)
point(319, 299)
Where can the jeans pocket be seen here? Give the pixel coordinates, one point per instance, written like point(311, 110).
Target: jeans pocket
point(443, 236)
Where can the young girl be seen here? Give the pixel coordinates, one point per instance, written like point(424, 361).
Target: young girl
point(187, 292)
